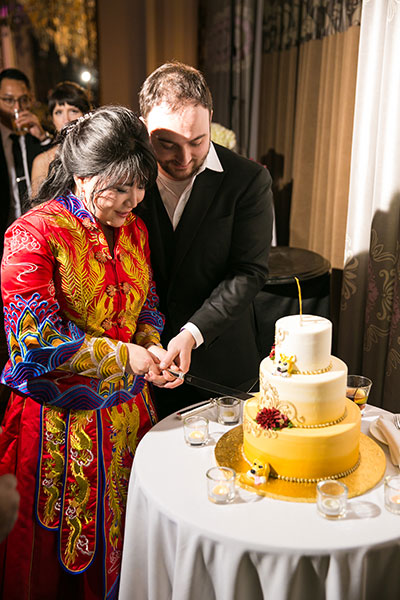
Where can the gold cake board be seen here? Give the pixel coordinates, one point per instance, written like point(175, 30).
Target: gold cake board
point(228, 453)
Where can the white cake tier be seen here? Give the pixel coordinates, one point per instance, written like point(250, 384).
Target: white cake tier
point(305, 340)
point(307, 399)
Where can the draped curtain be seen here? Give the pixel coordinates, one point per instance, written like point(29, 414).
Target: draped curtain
point(369, 335)
point(230, 35)
point(309, 67)
point(171, 32)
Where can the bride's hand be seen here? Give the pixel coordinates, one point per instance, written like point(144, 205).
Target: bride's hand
point(140, 361)
point(166, 380)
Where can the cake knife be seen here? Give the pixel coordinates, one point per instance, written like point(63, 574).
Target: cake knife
point(209, 386)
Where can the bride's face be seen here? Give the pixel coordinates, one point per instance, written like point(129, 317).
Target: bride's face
point(112, 206)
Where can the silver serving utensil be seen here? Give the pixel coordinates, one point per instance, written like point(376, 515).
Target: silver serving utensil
point(396, 421)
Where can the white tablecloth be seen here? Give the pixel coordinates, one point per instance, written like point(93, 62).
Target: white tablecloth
point(180, 546)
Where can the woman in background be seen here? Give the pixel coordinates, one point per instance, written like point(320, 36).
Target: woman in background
point(83, 334)
point(67, 102)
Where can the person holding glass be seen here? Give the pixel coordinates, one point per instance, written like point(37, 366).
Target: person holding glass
point(83, 333)
point(22, 139)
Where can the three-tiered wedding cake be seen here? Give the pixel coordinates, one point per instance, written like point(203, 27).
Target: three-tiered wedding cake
point(301, 422)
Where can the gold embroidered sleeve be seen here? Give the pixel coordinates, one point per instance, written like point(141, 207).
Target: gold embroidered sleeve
point(146, 335)
point(102, 358)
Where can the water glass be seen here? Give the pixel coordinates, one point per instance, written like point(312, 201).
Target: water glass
point(358, 388)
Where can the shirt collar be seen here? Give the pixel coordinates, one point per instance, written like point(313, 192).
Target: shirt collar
point(212, 161)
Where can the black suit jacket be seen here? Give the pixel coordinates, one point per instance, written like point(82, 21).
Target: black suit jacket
point(33, 148)
point(209, 270)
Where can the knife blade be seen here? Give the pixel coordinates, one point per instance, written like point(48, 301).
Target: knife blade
point(210, 386)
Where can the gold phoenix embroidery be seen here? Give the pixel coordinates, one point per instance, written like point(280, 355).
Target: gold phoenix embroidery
point(54, 437)
point(81, 457)
point(124, 427)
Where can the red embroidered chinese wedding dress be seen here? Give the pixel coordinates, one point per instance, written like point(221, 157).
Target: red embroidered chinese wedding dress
point(74, 418)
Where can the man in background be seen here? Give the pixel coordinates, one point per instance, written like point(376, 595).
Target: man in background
point(210, 221)
point(22, 138)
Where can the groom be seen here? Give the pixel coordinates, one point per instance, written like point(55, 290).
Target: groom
point(210, 220)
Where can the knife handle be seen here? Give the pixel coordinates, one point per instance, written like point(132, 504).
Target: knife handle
point(177, 374)
point(188, 412)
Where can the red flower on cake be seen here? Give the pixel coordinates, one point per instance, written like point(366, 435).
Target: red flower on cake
point(272, 353)
point(272, 418)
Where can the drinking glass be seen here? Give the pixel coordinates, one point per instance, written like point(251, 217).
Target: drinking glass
point(358, 388)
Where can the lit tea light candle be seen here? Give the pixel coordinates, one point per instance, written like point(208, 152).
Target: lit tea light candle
point(228, 410)
point(197, 436)
point(331, 506)
point(195, 430)
point(332, 499)
point(392, 493)
point(221, 492)
point(221, 484)
point(229, 415)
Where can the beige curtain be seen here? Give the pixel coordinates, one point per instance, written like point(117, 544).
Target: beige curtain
point(369, 336)
point(306, 117)
point(171, 32)
point(135, 37)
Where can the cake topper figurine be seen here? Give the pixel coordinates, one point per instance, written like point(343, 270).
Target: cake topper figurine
point(257, 474)
point(285, 365)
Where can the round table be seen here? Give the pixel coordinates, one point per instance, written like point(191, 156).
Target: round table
point(178, 545)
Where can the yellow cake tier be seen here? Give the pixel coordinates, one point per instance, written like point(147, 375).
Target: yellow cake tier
point(306, 399)
point(297, 453)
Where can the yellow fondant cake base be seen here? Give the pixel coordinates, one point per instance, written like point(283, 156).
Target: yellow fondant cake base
point(229, 453)
point(298, 453)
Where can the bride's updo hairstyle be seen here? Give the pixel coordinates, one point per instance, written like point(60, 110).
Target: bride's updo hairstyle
point(111, 143)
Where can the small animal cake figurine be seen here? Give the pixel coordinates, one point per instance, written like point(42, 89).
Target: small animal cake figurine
point(257, 475)
point(285, 365)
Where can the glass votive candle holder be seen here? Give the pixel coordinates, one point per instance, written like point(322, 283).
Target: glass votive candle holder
point(195, 430)
point(332, 499)
point(392, 493)
point(358, 388)
point(228, 410)
point(221, 484)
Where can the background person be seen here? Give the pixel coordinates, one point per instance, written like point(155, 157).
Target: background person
point(210, 220)
point(67, 102)
point(83, 333)
point(22, 138)
point(9, 503)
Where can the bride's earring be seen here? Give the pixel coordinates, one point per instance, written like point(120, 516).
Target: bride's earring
point(82, 195)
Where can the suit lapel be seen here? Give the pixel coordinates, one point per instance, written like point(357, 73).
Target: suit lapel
point(201, 198)
point(153, 213)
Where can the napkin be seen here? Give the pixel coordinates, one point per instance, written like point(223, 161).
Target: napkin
point(392, 437)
